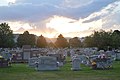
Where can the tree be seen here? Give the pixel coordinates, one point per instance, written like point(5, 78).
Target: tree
point(26, 39)
point(51, 45)
point(61, 42)
point(6, 36)
point(100, 39)
point(88, 42)
point(41, 42)
point(75, 42)
point(104, 40)
point(115, 39)
point(116, 32)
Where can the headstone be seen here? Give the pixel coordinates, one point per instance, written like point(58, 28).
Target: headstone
point(111, 54)
point(47, 63)
point(33, 62)
point(76, 64)
point(104, 63)
point(6, 54)
point(26, 52)
point(26, 55)
point(83, 59)
point(117, 56)
point(3, 62)
point(72, 53)
point(35, 53)
point(60, 58)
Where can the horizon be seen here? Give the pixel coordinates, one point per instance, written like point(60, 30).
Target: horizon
point(71, 18)
point(49, 37)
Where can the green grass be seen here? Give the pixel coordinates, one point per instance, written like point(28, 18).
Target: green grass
point(23, 72)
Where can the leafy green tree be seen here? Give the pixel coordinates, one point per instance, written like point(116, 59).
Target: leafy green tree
point(6, 36)
point(75, 42)
point(41, 42)
point(100, 39)
point(116, 32)
point(61, 42)
point(115, 39)
point(88, 42)
point(26, 39)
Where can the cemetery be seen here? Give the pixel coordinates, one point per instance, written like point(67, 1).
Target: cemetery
point(52, 64)
point(59, 39)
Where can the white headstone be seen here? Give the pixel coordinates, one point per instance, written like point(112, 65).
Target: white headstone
point(76, 64)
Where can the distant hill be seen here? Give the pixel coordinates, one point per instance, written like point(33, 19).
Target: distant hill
point(50, 39)
point(54, 39)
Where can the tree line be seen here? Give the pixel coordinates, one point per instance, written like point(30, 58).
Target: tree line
point(100, 39)
point(103, 40)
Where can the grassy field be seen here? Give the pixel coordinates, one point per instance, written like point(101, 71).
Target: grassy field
point(23, 72)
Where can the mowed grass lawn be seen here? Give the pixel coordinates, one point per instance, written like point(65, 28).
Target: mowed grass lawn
point(23, 72)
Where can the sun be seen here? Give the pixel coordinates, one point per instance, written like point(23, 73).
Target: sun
point(49, 35)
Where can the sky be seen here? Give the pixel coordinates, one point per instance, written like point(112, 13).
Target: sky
point(72, 18)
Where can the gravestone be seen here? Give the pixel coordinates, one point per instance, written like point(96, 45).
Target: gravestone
point(6, 54)
point(72, 53)
point(76, 64)
point(81, 58)
point(117, 56)
point(47, 63)
point(104, 63)
point(3, 62)
point(33, 62)
point(60, 58)
point(26, 52)
point(111, 54)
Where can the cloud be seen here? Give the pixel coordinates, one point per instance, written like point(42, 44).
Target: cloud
point(102, 13)
point(7, 2)
point(79, 34)
point(32, 11)
point(39, 1)
point(68, 25)
point(109, 15)
point(27, 12)
point(112, 21)
point(106, 19)
point(77, 15)
point(76, 3)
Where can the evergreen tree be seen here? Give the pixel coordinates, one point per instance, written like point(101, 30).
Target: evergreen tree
point(75, 42)
point(26, 39)
point(41, 42)
point(61, 42)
